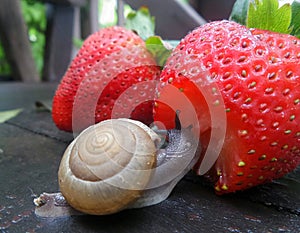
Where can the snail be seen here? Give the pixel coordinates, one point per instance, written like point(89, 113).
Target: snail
point(119, 164)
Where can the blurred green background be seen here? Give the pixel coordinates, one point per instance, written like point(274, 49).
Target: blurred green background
point(34, 14)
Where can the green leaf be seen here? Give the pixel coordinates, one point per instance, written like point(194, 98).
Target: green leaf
point(295, 22)
point(77, 42)
point(239, 11)
point(6, 115)
point(266, 15)
point(142, 22)
point(160, 49)
point(34, 13)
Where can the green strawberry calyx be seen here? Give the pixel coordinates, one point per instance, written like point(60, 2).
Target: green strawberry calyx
point(143, 23)
point(268, 15)
point(160, 49)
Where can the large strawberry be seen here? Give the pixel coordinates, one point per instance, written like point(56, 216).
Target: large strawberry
point(110, 62)
point(256, 73)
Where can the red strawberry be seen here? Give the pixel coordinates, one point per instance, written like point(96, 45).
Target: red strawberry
point(257, 74)
point(109, 62)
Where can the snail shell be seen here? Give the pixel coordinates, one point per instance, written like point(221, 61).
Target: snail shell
point(116, 164)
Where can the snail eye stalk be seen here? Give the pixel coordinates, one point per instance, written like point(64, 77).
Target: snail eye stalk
point(177, 120)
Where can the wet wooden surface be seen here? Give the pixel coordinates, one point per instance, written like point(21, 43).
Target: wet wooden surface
point(30, 151)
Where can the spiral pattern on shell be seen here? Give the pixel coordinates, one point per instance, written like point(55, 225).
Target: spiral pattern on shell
point(107, 166)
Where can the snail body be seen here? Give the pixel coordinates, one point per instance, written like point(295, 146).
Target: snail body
point(118, 164)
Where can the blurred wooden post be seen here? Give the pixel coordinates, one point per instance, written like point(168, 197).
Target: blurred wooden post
point(67, 20)
point(213, 9)
point(59, 42)
point(174, 19)
point(14, 37)
point(120, 11)
point(89, 18)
